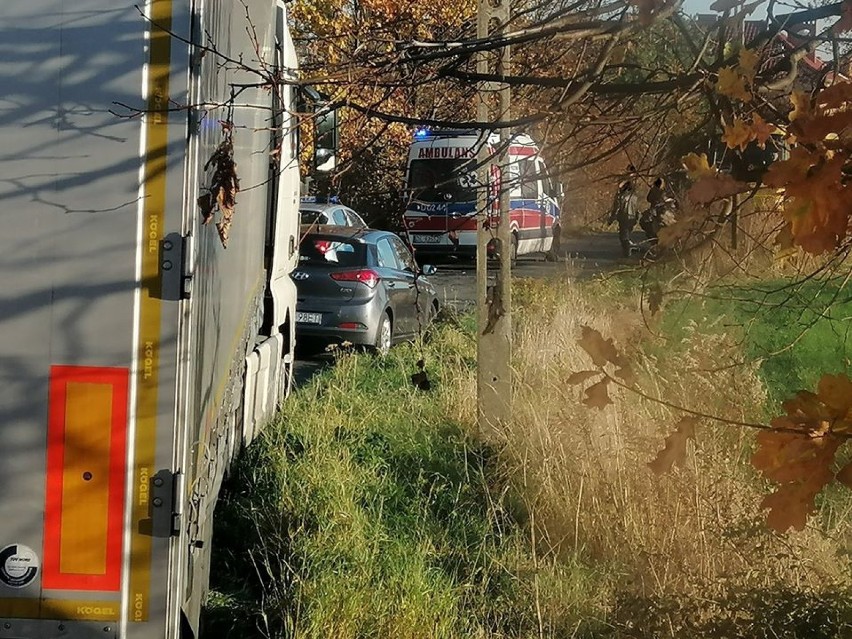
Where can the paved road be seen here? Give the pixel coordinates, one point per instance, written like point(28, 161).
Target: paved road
point(581, 256)
point(456, 281)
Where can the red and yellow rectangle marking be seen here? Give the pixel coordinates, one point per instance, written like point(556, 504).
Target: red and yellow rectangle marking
point(86, 470)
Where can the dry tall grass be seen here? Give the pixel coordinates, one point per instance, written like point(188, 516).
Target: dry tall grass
point(696, 535)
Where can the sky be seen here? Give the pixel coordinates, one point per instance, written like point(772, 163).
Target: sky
point(703, 6)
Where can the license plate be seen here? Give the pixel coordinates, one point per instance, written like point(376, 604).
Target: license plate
point(420, 238)
point(308, 318)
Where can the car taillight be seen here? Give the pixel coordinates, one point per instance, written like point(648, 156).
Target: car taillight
point(365, 276)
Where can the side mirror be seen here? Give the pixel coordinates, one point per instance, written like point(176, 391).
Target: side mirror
point(325, 127)
point(325, 145)
point(428, 269)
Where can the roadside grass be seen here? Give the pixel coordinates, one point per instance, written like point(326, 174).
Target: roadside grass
point(372, 509)
point(691, 550)
point(367, 510)
point(796, 331)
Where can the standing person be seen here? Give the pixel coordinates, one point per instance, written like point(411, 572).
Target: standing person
point(650, 219)
point(657, 193)
point(624, 212)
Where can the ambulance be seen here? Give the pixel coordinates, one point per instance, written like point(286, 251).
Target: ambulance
point(442, 186)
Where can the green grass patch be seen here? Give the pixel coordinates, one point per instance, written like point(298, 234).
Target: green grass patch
point(798, 331)
point(365, 511)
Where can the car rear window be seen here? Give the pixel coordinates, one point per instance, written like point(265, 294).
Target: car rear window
point(317, 250)
point(313, 217)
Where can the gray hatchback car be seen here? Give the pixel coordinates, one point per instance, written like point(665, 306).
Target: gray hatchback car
point(360, 286)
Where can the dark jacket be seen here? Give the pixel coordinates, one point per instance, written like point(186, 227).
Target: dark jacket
point(624, 207)
point(656, 195)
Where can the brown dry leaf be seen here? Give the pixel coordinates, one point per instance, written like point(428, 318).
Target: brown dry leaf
point(819, 224)
point(748, 61)
point(223, 226)
point(819, 127)
point(837, 95)
point(737, 135)
point(697, 166)
point(835, 391)
point(798, 453)
point(845, 475)
point(624, 371)
point(597, 396)
point(207, 205)
point(732, 85)
point(581, 376)
point(761, 130)
point(785, 457)
point(655, 299)
point(793, 169)
point(710, 189)
point(789, 506)
point(599, 349)
point(801, 105)
point(675, 449)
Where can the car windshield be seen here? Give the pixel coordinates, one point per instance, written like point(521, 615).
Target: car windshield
point(317, 250)
point(312, 217)
point(443, 180)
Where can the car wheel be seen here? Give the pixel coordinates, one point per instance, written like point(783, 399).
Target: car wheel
point(384, 335)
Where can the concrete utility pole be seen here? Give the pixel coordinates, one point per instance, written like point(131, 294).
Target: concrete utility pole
point(494, 339)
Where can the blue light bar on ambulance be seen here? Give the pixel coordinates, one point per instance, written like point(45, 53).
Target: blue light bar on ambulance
point(421, 134)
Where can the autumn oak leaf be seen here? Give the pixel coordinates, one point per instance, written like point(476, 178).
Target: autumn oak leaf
point(597, 396)
point(710, 189)
point(761, 130)
point(737, 135)
point(675, 448)
point(835, 391)
point(748, 61)
point(732, 85)
point(798, 452)
point(599, 349)
point(789, 507)
point(801, 105)
point(697, 166)
point(581, 376)
point(625, 372)
point(837, 95)
point(793, 169)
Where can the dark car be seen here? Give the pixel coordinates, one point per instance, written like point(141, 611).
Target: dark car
point(360, 286)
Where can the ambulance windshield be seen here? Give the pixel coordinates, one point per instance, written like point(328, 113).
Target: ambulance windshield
point(443, 180)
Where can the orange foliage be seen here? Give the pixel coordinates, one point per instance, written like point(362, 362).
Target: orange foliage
point(798, 452)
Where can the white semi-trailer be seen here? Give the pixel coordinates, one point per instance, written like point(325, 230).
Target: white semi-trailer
point(137, 353)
